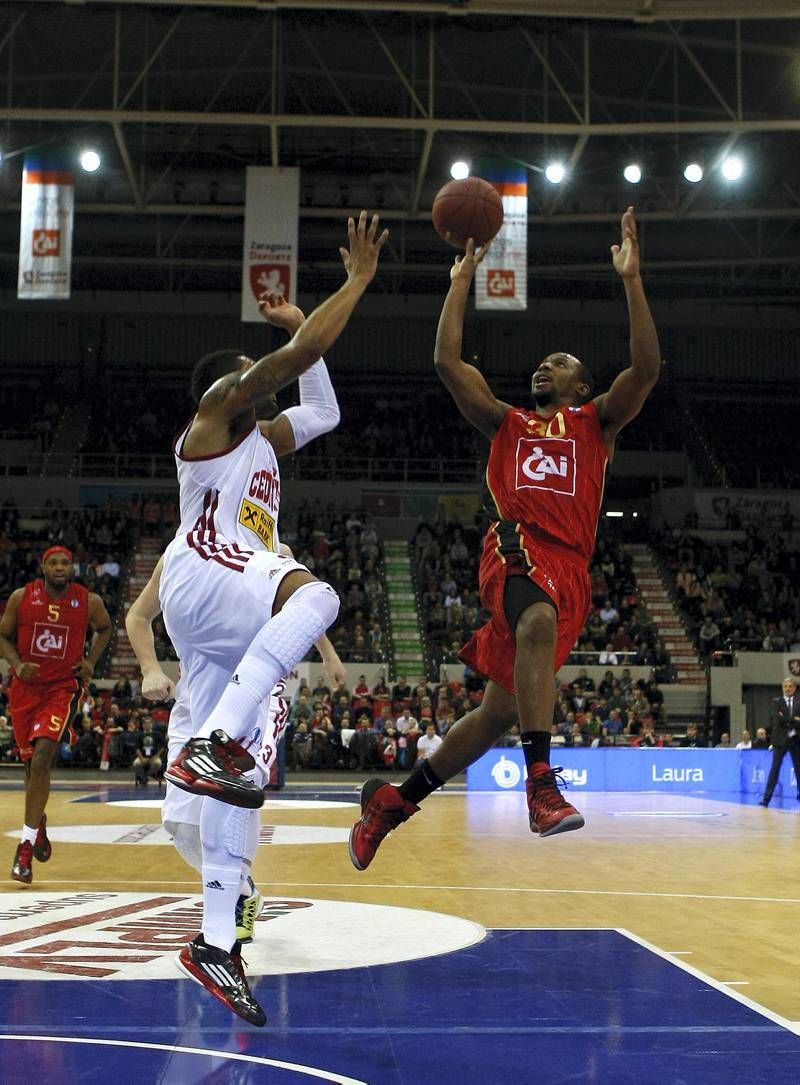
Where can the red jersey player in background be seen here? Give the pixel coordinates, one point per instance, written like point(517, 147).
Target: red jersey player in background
point(42, 638)
point(545, 478)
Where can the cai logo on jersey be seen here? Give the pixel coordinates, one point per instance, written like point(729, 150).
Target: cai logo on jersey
point(546, 463)
point(49, 641)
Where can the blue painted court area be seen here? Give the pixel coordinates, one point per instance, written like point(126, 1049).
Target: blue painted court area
point(543, 1006)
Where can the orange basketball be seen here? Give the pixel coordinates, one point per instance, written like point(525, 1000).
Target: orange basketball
point(469, 208)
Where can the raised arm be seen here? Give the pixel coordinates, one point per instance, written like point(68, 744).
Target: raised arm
point(156, 686)
point(626, 396)
point(318, 410)
point(465, 383)
point(315, 335)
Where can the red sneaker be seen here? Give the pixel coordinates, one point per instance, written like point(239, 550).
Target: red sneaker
point(42, 848)
point(548, 811)
point(383, 808)
point(22, 869)
point(222, 975)
point(213, 766)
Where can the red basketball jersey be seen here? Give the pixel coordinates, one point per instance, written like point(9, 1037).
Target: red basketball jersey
point(546, 476)
point(52, 632)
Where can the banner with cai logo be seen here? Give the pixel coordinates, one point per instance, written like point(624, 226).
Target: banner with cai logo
point(501, 281)
point(271, 215)
point(45, 235)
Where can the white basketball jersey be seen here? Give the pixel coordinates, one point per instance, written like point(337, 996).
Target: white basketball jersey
point(230, 501)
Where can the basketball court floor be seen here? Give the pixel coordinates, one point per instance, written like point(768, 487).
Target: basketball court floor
point(657, 945)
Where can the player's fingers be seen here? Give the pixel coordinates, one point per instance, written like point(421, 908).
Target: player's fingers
point(362, 224)
point(345, 255)
point(379, 243)
point(615, 250)
point(373, 227)
point(351, 231)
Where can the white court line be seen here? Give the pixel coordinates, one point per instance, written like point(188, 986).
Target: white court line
point(790, 1026)
point(449, 888)
point(679, 952)
point(735, 983)
point(312, 1071)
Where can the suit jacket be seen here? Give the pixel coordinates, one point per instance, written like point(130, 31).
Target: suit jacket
point(782, 721)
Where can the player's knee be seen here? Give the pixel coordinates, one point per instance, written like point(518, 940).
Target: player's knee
point(537, 625)
point(42, 757)
point(318, 597)
point(234, 833)
point(186, 838)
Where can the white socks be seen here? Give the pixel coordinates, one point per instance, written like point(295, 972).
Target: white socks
point(29, 834)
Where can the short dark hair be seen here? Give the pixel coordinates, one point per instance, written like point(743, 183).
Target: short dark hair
point(210, 368)
point(586, 377)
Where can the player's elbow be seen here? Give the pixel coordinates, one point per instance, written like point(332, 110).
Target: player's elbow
point(331, 416)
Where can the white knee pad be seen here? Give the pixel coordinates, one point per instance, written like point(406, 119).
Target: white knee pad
point(235, 832)
point(186, 838)
point(226, 833)
point(305, 616)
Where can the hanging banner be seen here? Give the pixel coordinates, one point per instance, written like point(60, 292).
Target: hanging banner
point(45, 234)
point(501, 281)
point(271, 214)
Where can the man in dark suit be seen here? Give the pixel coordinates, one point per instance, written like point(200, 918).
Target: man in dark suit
point(784, 736)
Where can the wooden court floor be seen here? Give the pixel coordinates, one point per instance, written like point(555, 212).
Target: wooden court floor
point(716, 884)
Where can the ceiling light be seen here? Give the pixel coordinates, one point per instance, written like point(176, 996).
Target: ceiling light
point(693, 172)
point(459, 170)
point(555, 173)
point(632, 173)
point(90, 161)
point(732, 168)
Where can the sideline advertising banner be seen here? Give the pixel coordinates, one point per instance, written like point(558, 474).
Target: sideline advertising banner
point(45, 235)
point(269, 260)
point(675, 771)
point(501, 280)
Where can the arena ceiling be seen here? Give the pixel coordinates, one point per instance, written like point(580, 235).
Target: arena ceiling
point(373, 100)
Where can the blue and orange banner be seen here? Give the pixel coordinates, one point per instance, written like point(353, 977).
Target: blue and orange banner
point(45, 236)
point(501, 281)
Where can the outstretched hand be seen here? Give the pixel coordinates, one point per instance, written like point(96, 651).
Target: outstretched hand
point(626, 255)
point(361, 258)
point(464, 266)
point(276, 310)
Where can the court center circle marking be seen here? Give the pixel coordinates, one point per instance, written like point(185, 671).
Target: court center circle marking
point(107, 935)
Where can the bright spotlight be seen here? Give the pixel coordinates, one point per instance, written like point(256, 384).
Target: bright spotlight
point(459, 170)
point(693, 172)
point(732, 168)
point(555, 173)
point(632, 173)
point(90, 161)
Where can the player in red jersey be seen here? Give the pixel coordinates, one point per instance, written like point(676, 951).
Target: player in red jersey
point(42, 638)
point(545, 478)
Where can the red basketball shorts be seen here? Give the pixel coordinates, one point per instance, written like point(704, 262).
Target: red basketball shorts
point(492, 650)
point(41, 710)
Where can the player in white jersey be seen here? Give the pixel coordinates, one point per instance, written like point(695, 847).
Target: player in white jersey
point(239, 614)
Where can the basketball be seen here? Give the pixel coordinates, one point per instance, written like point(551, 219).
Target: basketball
point(469, 208)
